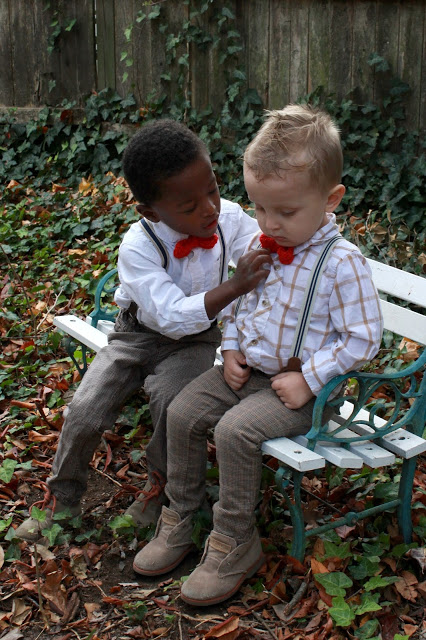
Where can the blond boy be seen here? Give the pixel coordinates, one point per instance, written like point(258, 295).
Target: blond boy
point(292, 173)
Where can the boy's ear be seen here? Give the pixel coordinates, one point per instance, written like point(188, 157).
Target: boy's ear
point(335, 197)
point(147, 212)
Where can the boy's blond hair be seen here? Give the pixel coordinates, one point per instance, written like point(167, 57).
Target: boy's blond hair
point(298, 137)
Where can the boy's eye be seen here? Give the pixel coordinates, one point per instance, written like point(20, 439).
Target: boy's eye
point(188, 211)
point(287, 213)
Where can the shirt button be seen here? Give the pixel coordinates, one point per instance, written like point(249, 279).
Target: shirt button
point(253, 343)
point(265, 303)
point(276, 267)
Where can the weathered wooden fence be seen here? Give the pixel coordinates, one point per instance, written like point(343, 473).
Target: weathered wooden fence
point(289, 48)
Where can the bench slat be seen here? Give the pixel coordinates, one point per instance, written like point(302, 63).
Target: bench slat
point(293, 454)
point(373, 455)
point(80, 330)
point(332, 452)
point(398, 283)
point(106, 326)
point(404, 322)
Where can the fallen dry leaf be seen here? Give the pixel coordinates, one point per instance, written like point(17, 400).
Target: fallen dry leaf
point(20, 612)
point(419, 555)
point(226, 630)
point(318, 567)
point(411, 350)
point(409, 629)
point(405, 586)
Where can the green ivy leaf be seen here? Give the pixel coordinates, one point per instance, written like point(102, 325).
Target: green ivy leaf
point(6, 470)
point(368, 603)
point(378, 581)
point(71, 24)
point(342, 550)
point(366, 567)
point(52, 533)
point(4, 524)
point(367, 629)
point(136, 611)
point(38, 514)
point(334, 583)
point(122, 523)
point(341, 612)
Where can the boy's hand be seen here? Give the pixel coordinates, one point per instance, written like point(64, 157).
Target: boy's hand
point(292, 389)
point(250, 270)
point(235, 369)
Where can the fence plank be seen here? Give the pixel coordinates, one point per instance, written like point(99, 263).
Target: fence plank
point(364, 43)
point(7, 82)
point(26, 48)
point(280, 53)
point(105, 22)
point(200, 60)
point(411, 27)
point(320, 45)
point(174, 15)
point(256, 19)
point(387, 34)
point(299, 75)
point(124, 16)
point(341, 34)
point(77, 73)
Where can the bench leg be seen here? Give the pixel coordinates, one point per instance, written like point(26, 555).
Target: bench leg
point(71, 346)
point(298, 545)
point(405, 494)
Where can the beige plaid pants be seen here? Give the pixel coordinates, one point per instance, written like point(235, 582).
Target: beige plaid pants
point(135, 357)
point(242, 420)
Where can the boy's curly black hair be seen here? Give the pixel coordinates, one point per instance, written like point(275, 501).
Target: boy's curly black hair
point(160, 150)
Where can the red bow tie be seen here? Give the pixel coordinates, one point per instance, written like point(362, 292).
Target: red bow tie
point(184, 247)
point(285, 254)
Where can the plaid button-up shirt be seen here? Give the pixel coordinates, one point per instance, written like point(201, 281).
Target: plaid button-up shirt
point(346, 325)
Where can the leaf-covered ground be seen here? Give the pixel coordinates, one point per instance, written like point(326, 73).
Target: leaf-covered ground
point(355, 582)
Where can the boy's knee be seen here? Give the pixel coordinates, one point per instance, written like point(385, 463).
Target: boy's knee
point(177, 413)
point(229, 434)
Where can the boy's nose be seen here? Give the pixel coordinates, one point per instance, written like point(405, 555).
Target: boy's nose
point(272, 224)
point(209, 207)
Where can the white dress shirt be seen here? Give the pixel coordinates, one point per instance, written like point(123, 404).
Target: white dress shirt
point(172, 302)
point(346, 324)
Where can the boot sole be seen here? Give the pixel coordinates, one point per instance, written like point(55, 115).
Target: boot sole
point(170, 567)
point(210, 601)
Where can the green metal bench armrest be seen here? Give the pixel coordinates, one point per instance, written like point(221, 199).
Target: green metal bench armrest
point(413, 419)
point(103, 312)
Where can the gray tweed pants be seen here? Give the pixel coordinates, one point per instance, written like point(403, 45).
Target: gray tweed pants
point(242, 420)
point(134, 357)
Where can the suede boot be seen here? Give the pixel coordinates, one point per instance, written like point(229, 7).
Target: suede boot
point(223, 568)
point(171, 543)
point(31, 529)
point(146, 508)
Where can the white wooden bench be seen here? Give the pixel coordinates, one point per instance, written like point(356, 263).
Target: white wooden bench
point(355, 435)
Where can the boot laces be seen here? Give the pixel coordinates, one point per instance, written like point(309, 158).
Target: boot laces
point(157, 487)
point(48, 499)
